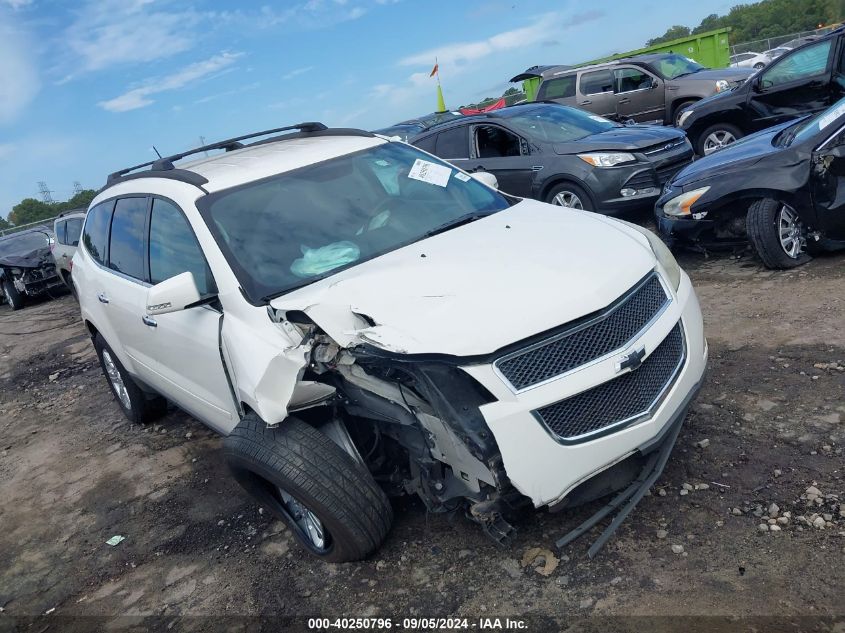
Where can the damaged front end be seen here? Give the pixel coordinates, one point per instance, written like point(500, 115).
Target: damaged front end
point(414, 421)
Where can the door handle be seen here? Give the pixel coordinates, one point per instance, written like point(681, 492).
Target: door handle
point(148, 320)
point(64, 255)
point(586, 102)
point(102, 298)
point(624, 100)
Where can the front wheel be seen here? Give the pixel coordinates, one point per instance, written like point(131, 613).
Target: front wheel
point(568, 194)
point(331, 503)
point(777, 234)
point(14, 297)
point(717, 137)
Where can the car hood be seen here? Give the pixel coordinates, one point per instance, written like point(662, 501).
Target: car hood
point(30, 259)
point(630, 138)
point(742, 154)
point(479, 287)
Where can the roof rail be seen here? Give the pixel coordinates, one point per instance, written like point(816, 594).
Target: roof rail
point(165, 164)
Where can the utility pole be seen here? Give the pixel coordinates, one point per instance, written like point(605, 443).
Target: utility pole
point(77, 188)
point(46, 194)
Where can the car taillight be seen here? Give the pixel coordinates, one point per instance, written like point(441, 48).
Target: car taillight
point(70, 265)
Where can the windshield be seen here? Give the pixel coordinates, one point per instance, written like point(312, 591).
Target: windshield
point(558, 124)
point(21, 245)
point(811, 126)
point(402, 130)
point(673, 66)
point(292, 229)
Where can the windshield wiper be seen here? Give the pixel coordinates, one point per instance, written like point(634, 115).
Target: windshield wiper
point(451, 224)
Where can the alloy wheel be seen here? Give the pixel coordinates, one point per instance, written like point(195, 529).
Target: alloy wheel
point(307, 522)
point(790, 232)
point(568, 199)
point(717, 140)
point(116, 380)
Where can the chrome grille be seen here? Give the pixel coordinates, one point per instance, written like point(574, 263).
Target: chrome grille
point(608, 331)
point(619, 401)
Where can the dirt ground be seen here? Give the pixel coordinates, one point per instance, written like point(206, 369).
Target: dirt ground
point(74, 472)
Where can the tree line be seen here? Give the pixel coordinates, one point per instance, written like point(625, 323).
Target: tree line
point(32, 210)
point(764, 19)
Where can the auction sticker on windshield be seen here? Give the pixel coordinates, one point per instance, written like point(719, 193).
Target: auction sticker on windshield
point(431, 173)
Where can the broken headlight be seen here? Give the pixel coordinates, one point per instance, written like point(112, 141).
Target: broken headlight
point(680, 205)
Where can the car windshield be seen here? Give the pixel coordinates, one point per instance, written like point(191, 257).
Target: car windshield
point(811, 126)
point(558, 124)
point(674, 66)
point(290, 230)
point(24, 244)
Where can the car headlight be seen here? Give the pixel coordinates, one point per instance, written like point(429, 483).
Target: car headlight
point(662, 254)
point(680, 205)
point(607, 159)
point(722, 85)
point(684, 116)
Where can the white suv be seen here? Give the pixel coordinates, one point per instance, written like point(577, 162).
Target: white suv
point(361, 319)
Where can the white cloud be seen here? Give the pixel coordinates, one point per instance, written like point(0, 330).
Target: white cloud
point(6, 149)
point(16, 4)
point(296, 72)
point(109, 33)
point(19, 81)
point(141, 97)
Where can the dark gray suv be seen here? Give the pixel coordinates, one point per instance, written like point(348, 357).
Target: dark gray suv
point(646, 88)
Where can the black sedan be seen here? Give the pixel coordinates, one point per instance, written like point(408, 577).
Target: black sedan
point(563, 155)
point(782, 189)
point(27, 268)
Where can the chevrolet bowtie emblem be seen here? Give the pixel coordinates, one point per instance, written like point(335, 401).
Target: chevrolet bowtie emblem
point(631, 361)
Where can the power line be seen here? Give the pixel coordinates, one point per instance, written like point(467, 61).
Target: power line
point(46, 194)
point(77, 188)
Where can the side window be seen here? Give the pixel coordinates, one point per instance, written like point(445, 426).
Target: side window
point(807, 62)
point(491, 142)
point(453, 143)
point(596, 82)
point(96, 233)
point(560, 88)
point(60, 232)
point(73, 228)
point(426, 144)
point(174, 248)
point(630, 79)
point(126, 245)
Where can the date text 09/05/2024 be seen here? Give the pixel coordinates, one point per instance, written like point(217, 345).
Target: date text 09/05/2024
point(376, 624)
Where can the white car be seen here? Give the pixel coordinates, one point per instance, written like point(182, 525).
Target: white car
point(750, 60)
point(361, 319)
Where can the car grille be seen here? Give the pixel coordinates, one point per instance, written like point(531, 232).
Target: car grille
point(619, 401)
point(663, 147)
point(658, 176)
point(665, 172)
point(583, 343)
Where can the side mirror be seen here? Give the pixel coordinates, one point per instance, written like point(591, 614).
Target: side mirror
point(486, 178)
point(654, 84)
point(172, 295)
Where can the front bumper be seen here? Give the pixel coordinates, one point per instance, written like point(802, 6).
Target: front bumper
point(685, 230)
point(546, 470)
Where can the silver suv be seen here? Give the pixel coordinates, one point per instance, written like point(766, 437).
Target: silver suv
point(67, 229)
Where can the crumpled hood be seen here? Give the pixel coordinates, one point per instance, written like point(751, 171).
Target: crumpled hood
point(481, 286)
point(630, 138)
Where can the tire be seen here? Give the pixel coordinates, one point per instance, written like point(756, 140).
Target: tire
point(564, 190)
point(295, 462)
point(677, 113)
point(69, 283)
point(764, 224)
point(759, 65)
point(15, 298)
point(137, 406)
point(726, 131)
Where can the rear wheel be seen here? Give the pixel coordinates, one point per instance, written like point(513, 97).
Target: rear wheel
point(331, 503)
point(678, 109)
point(15, 298)
point(777, 234)
point(136, 405)
point(759, 65)
point(717, 137)
point(568, 194)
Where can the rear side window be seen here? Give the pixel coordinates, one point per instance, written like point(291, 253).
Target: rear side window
point(807, 62)
point(630, 79)
point(174, 248)
point(96, 233)
point(560, 88)
point(452, 143)
point(427, 144)
point(73, 228)
point(126, 246)
point(596, 82)
point(60, 232)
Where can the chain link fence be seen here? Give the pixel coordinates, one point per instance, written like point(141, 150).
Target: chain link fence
point(789, 41)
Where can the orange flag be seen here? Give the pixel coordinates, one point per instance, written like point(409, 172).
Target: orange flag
point(434, 70)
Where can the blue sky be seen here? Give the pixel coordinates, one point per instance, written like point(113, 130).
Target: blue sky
point(88, 86)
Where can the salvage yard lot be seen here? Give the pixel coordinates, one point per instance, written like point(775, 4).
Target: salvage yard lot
point(74, 472)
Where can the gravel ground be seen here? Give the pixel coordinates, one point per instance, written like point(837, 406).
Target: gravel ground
point(745, 521)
